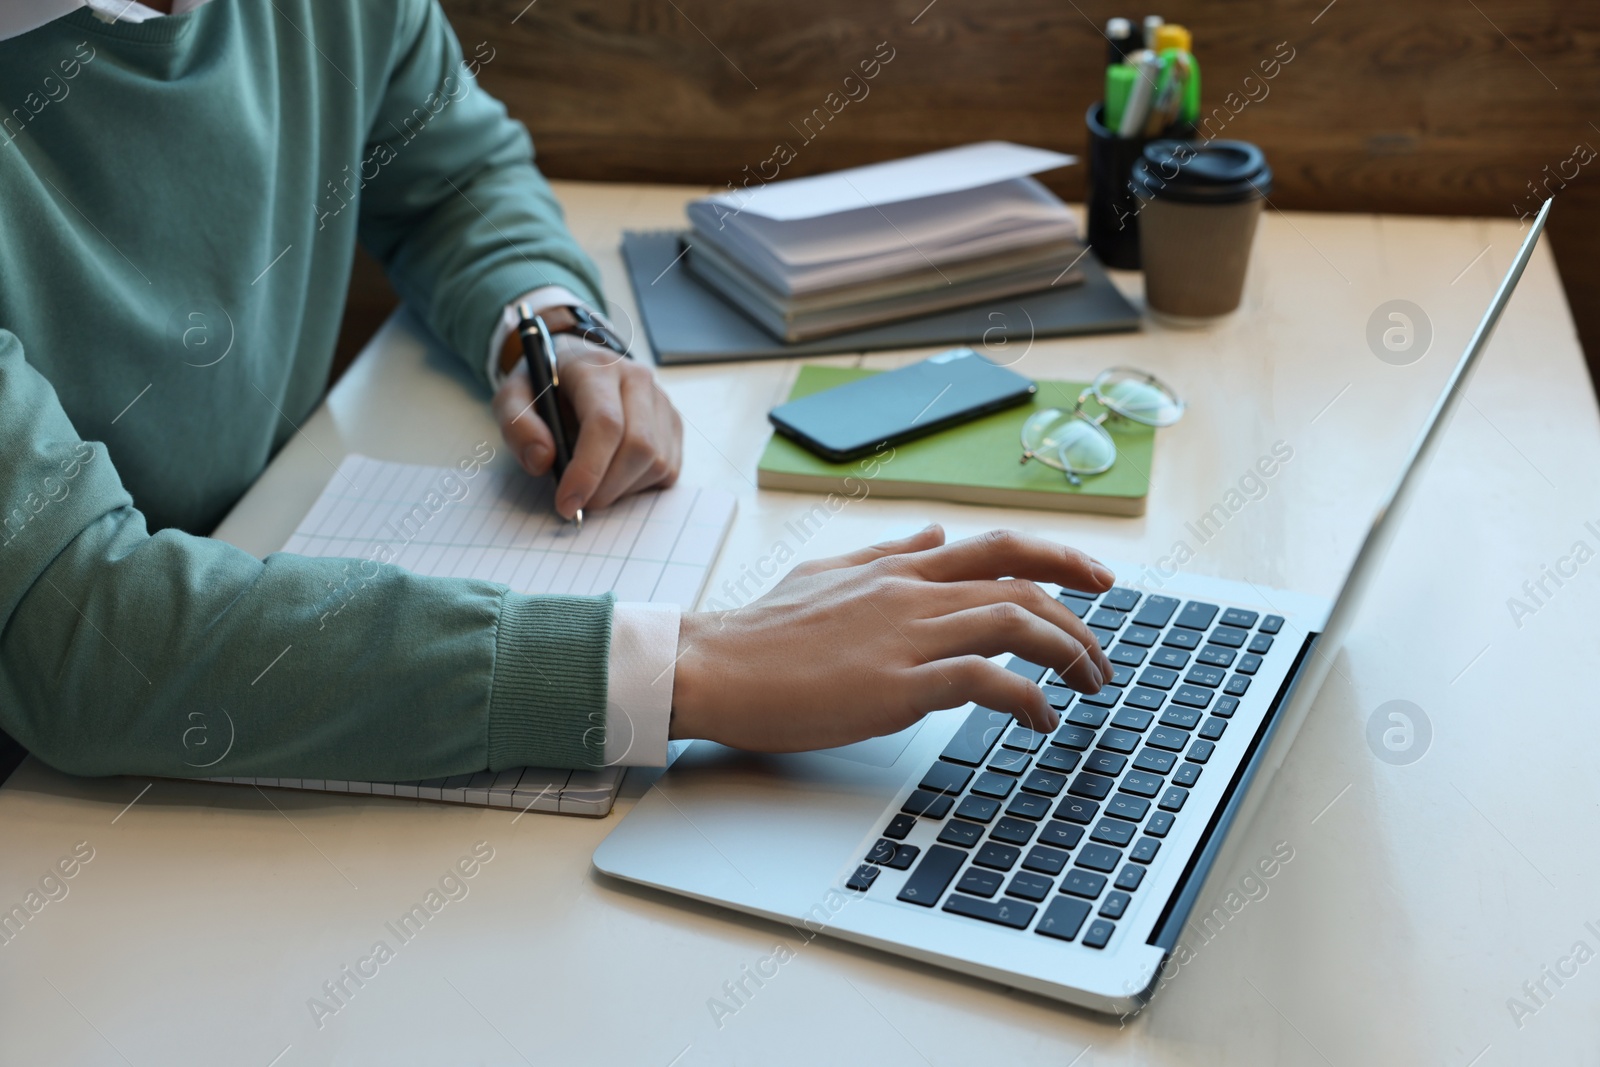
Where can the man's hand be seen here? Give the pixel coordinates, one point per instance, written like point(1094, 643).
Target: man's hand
point(867, 643)
point(629, 435)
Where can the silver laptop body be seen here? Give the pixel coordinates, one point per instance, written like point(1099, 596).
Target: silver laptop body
point(785, 836)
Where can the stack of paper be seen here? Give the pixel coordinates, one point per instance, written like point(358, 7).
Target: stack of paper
point(819, 255)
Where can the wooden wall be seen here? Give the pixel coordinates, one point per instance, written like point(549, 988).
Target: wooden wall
point(1447, 107)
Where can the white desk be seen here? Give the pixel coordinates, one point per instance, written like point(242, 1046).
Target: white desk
point(1419, 899)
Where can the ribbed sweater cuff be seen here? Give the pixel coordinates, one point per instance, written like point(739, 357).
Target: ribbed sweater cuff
point(547, 707)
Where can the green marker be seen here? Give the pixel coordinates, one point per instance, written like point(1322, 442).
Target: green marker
point(1119, 84)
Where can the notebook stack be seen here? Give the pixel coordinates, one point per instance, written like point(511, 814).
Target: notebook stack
point(812, 257)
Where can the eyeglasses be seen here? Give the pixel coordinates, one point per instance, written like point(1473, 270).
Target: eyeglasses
point(1077, 443)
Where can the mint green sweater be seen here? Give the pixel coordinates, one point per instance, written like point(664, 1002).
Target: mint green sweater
point(230, 158)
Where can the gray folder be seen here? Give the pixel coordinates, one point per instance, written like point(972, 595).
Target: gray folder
point(688, 323)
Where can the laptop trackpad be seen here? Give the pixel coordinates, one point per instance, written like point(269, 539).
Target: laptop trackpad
point(875, 751)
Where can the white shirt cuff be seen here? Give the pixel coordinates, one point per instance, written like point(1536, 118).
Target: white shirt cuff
point(639, 676)
point(543, 297)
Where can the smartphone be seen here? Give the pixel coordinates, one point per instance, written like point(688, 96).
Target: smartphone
point(851, 420)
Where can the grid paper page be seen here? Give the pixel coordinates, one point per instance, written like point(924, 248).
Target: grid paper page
point(499, 524)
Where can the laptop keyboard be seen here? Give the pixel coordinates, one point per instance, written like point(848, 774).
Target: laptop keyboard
point(1054, 832)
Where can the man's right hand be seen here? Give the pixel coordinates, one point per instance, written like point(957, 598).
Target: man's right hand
point(867, 643)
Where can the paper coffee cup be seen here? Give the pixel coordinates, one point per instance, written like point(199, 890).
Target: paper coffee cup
point(1197, 221)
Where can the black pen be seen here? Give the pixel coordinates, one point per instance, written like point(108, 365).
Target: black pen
point(539, 351)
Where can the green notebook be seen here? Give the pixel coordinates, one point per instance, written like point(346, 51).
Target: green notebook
point(974, 463)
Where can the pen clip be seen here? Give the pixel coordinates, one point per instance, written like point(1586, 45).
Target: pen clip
point(547, 344)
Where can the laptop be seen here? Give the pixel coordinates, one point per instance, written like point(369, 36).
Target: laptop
point(1063, 864)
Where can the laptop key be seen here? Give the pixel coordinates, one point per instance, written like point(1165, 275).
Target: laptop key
point(1192, 696)
point(1260, 644)
point(1127, 806)
point(1158, 678)
point(1077, 605)
point(1237, 686)
point(1174, 658)
point(1197, 615)
point(1229, 636)
point(1063, 919)
point(1075, 810)
point(1028, 806)
point(1049, 783)
point(1129, 877)
point(1005, 912)
point(929, 805)
point(1157, 611)
point(1239, 617)
point(997, 856)
point(1249, 664)
point(1058, 697)
point(1032, 887)
point(1132, 719)
point(1212, 728)
point(1121, 675)
point(1226, 707)
point(1102, 635)
point(1126, 654)
point(1045, 860)
point(1119, 598)
point(1160, 823)
point(1082, 883)
point(979, 883)
point(1172, 799)
point(957, 832)
point(1107, 697)
point(946, 778)
point(881, 852)
point(1106, 619)
point(1060, 834)
point(1272, 624)
point(1145, 850)
point(1155, 760)
point(1072, 736)
point(862, 880)
point(977, 809)
point(1061, 760)
point(904, 856)
point(1007, 761)
point(1084, 715)
point(1201, 674)
point(1102, 762)
point(1177, 637)
point(1023, 739)
point(1116, 740)
point(932, 876)
point(1187, 774)
point(1142, 783)
point(1031, 671)
point(1093, 786)
point(1216, 656)
point(1169, 739)
point(1199, 752)
point(1149, 699)
point(976, 737)
point(1143, 636)
point(1099, 858)
point(1099, 934)
point(1181, 717)
point(900, 826)
point(1114, 905)
point(990, 784)
point(1110, 831)
point(1012, 831)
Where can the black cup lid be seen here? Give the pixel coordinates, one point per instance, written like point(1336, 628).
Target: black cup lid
point(1218, 172)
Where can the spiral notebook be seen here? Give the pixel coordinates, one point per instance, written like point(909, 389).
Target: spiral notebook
point(498, 524)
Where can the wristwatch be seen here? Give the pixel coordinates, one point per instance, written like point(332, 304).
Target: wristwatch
point(564, 318)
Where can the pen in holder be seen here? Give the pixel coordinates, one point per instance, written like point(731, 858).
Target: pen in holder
point(1112, 208)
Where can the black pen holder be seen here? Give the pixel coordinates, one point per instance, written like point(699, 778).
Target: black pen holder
point(1111, 205)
